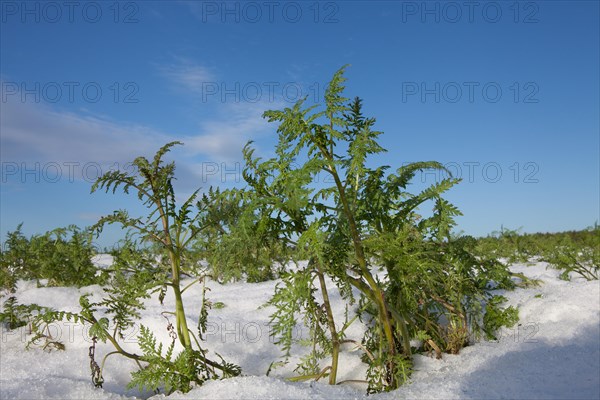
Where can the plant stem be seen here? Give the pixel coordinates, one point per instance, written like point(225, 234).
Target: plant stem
point(335, 341)
point(379, 298)
point(182, 328)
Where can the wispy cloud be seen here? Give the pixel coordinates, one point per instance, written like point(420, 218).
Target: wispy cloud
point(187, 75)
point(38, 133)
point(223, 138)
point(35, 132)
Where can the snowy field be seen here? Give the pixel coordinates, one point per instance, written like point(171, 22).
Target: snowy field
point(553, 354)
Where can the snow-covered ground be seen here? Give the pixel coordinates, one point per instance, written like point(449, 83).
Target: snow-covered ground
point(553, 354)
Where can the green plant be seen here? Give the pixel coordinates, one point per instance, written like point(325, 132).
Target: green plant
point(570, 252)
point(61, 256)
point(283, 193)
point(237, 242)
point(33, 316)
point(580, 257)
point(13, 256)
point(218, 305)
point(178, 372)
point(137, 273)
point(364, 234)
point(13, 315)
point(495, 318)
point(510, 245)
point(172, 229)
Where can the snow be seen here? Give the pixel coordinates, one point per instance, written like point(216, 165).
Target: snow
point(553, 354)
point(102, 261)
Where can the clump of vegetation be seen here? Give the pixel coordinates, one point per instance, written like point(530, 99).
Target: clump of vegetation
point(61, 256)
point(13, 314)
point(136, 274)
point(508, 244)
point(363, 232)
point(35, 319)
point(237, 242)
point(495, 318)
point(576, 252)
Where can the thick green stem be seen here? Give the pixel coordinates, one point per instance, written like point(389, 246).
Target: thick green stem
point(400, 317)
point(384, 316)
point(182, 328)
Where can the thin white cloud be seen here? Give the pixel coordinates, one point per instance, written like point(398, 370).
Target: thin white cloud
point(187, 75)
point(223, 139)
point(37, 133)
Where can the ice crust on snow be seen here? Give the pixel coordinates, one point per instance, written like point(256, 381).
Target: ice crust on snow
point(553, 354)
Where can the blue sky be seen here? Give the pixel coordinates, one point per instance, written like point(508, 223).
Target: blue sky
point(505, 93)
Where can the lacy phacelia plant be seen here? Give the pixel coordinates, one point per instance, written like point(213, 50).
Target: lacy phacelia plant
point(136, 274)
point(571, 252)
point(172, 229)
point(574, 253)
point(61, 257)
point(238, 242)
point(363, 232)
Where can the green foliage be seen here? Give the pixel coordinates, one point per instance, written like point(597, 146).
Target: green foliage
point(495, 318)
point(62, 256)
point(172, 373)
point(400, 271)
point(438, 287)
point(283, 192)
point(13, 259)
point(130, 279)
point(510, 245)
point(167, 232)
point(36, 318)
point(570, 252)
point(378, 381)
point(578, 254)
point(171, 230)
point(178, 372)
point(13, 314)
point(295, 300)
point(134, 275)
point(365, 221)
point(237, 242)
